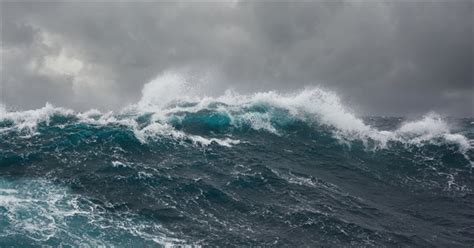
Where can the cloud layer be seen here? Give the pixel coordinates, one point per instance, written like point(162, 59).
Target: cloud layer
point(383, 58)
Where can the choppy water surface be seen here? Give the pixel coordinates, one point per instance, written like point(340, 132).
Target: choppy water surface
point(264, 169)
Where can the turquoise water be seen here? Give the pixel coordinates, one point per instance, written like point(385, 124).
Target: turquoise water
point(231, 174)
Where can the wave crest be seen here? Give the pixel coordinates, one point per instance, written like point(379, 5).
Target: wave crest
point(169, 101)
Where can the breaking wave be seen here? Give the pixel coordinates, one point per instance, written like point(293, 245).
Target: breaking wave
point(181, 167)
point(169, 105)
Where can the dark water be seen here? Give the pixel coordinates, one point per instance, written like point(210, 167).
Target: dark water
point(210, 177)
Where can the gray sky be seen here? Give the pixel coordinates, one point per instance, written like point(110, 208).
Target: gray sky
point(385, 58)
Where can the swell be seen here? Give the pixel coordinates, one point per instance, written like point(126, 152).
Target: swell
point(172, 108)
point(255, 169)
point(216, 120)
point(426, 145)
point(302, 181)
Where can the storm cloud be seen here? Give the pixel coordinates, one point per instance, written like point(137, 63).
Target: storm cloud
point(382, 58)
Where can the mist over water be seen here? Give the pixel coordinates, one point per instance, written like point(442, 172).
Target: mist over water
point(267, 168)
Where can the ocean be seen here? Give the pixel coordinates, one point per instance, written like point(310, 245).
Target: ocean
point(266, 169)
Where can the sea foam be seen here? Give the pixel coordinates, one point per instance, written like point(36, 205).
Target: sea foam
point(310, 104)
point(170, 96)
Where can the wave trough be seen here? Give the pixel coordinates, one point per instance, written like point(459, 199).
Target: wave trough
point(269, 168)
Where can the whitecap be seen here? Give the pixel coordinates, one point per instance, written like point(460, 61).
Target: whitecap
point(170, 95)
